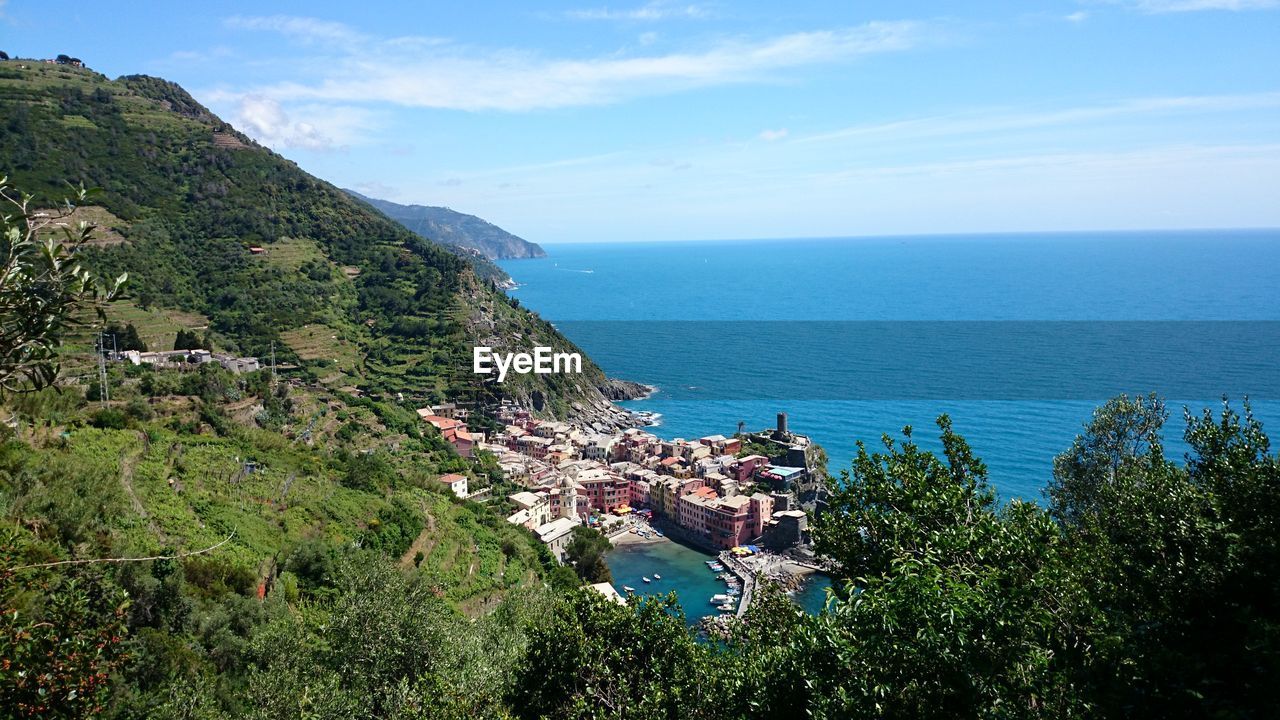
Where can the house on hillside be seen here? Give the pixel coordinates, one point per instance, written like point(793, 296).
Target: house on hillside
point(455, 482)
point(454, 431)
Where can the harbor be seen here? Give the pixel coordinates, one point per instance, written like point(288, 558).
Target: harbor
point(705, 585)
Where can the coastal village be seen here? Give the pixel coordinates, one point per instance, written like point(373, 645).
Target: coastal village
point(743, 496)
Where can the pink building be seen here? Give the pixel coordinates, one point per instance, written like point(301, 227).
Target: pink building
point(747, 466)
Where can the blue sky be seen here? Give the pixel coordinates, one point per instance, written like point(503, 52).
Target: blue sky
point(603, 121)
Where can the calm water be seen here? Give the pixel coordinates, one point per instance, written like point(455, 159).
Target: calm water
point(684, 571)
point(1181, 276)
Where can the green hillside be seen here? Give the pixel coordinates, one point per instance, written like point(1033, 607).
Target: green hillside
point(455, 228)
point(185, 196)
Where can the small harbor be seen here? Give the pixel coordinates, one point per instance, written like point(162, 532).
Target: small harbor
point(703, 584)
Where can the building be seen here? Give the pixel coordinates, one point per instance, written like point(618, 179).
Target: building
point(454, 431)
point(746, 467)
point(724, 522)
point(455, 482)
point(534, 509)
point(556, 535)
point(786, 528)
point(604, 489)
point(610, 592)
point(781, 477)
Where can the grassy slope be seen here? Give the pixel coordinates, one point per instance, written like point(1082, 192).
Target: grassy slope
point(172, 482)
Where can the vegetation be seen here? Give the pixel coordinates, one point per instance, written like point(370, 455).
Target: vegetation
point(1155, 590)
point(585, 554)
point(458, 229)
point(42, 288)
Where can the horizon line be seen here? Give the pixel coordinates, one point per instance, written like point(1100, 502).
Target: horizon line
point(905, 236)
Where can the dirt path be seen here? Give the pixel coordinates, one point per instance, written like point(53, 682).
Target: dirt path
point(423, 543)
point(129, 459)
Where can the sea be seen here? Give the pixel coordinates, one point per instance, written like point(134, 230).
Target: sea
point(1016, 337)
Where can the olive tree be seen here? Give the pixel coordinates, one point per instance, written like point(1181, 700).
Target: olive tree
point(44, 289)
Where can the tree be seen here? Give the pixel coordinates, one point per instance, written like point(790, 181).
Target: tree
point(586, 553)
point(1121, 434)
point(592, 658)
point(124, 339)
point(4, 55)
point(43, 289)
point(952, 598)
point(188, 340)
point(1179, 567)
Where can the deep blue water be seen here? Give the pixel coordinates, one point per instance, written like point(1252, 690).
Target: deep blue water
point(1099, 277)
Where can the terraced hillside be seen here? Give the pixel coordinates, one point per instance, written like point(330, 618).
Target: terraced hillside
point(211, 224)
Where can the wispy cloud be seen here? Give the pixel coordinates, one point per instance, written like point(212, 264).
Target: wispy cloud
point(649, 12)
point(1076, 17)
point(996, 121)
point(1172, 6)
point(432, 75)
point(303, 29)
point(771, 135)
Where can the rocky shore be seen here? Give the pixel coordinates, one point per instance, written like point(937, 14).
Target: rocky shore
point(617, 390)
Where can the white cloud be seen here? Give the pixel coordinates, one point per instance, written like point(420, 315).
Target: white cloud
point(432, 75)
point(657, 10)
point(771, 135)
point(321, 127)
point(1169, 6)
point(1076, 17)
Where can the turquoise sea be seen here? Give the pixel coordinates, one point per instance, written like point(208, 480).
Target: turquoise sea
point(684, 571)
point(694, 318)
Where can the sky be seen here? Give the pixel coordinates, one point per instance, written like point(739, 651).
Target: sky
point(607, 120)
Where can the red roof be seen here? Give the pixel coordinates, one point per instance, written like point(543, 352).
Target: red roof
point(668, 462)
point(452, 478)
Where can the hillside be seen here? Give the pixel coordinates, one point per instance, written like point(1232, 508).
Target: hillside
point(228, 238)
point(455, 228)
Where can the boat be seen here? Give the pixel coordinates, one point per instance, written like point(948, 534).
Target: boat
point(726, 607)
point(717, 568)
point(658, 533)
point(628, 588)
point(733, 591)
point(711, 562)
point(656, 576)
point(719, 598)
point(646, 579)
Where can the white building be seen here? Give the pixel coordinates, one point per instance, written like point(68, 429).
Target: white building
point(534, 509)
point(455, 482)
point(556, 535)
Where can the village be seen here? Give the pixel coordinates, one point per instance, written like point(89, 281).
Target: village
point(707, 492)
